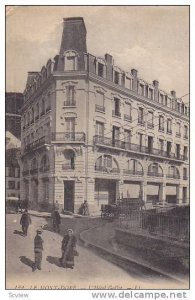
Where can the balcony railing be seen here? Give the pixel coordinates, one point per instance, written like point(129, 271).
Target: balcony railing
point(150, 125)
point(68, 166)
point(69, 136)
point(178, 134)
point(70, 103)
point(107, 169)
point(161, 129)
point(99, 108)
point(127, 118)
point(105, 141)
point(141, 122)
point(116, 114)
point(174, 176)
point(34, 171)
point(155, 174)
point(40, 142)
point(169, 131)
point(133, 172)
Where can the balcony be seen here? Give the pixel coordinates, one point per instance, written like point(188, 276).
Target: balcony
point(141, 122)
point(150, 125)
point(169, 131)
point(107, 169)
point(109, 142)
point(116, 114)
point(68, 136)
point(70, 103)
point(161, 129)
point(133, 172)
point(99, 108)
point(173, 176)
point(127, 118)
point(178, 134)
point(155, 174)
point(36, 144)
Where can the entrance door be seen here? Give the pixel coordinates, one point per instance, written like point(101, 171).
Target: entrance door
point(69, 195)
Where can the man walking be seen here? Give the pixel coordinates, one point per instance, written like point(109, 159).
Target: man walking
point(25, 221)
point(56, 219)
point(38, 249)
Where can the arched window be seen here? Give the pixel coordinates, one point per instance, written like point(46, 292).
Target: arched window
point(45, 166)
point(69, 156)
point(134, 167)
point(173, 172)
point(155, 170)
point(106, 163)
point(70, 60)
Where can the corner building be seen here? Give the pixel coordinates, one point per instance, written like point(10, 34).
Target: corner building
point(91, 131)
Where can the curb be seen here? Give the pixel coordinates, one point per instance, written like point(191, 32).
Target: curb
point(126, 259)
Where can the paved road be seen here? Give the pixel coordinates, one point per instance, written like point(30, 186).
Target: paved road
point(91, 271)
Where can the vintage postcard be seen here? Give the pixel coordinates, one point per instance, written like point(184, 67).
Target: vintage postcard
point(97, 147)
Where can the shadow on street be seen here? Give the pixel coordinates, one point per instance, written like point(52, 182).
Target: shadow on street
point(54, 260)
point(18, 232)
point(27, 261)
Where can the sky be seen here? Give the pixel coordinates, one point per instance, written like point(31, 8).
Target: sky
point(152, 39)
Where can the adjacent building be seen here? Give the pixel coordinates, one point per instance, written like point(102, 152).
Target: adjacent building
point(92, 131)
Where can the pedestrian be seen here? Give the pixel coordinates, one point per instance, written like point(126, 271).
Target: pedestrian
point(38, 249)
point(25, 221)
point(68, 250)
point(56, 219)
point(85, 208)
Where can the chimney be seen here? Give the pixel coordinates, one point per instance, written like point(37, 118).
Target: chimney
point(73, 38)
point(156, 94)
point(134, 72)
point(173, 94)
point(110, 62)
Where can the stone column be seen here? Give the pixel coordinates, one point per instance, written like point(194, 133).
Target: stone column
point(162, 193)
point(179, 191)
point(143, 190)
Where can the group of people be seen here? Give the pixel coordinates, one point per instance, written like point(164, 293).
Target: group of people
point(68, 246)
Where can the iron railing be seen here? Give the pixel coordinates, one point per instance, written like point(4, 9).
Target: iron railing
point(70, 103)
point(175, 176)
point(141, 122)
point(105, 141)
point(116, 113)
point(155, 174)
point(107, 169)
point(127, 118)
point(133, 172)
point(150, 125)
point(68, 136)
point(164, 225)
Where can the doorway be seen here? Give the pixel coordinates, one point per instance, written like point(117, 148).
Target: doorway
point(69, 187)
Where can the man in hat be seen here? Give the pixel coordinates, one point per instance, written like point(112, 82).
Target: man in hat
point(56, 219)
point(25, 221)
point(38, 249)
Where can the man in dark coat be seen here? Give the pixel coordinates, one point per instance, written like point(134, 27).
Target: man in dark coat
point(68, 250)
point(25, 221)
point(38, 249)
point(56, 220)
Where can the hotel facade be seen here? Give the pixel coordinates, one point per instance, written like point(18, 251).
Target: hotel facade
point(92, 131)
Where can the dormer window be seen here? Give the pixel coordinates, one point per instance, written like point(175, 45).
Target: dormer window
point(70, 61)
point(100, 70)
point(116, 77)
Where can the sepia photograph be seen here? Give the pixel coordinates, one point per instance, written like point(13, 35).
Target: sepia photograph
point(97, 117)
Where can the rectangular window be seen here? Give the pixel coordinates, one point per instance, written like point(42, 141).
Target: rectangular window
point(169, 145)
point(185, 131)
point(70, 125)
point(11, 172)
point(150, 94)
point(161, 99)
point(107, 161)
point(161, 146)
point(185, 152)
point(116, 111)
point(141, 89)
point(146, 91)
point(140, 115)
point(184, 173)
point(128, 83)
point(99, 99)
point(116, 77)
point(70, 96)
point(150, 144)
point(100, 70)
point(127, 136)
point(70, 63)
point(161, 123)
point(178, 151)
point(127, 115)
point(150, 119)
point(11, 185)
point(115, 136)
point(99, 129)
point(169, 126)
point(178, 129)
